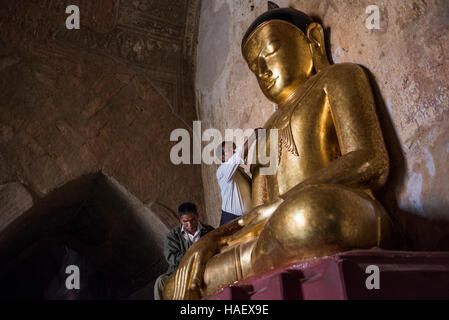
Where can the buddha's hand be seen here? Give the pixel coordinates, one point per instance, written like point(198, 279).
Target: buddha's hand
point(253, 222)
point(182, 283)
point(189, 275)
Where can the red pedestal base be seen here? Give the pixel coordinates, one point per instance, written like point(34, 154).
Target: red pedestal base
point(402, 275)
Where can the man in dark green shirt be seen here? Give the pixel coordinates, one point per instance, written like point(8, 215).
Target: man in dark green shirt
point(180, 239)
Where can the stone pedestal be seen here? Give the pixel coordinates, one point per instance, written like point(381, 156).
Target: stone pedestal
point(344, 276)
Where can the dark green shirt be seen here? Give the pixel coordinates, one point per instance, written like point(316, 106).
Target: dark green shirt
point(176, 246)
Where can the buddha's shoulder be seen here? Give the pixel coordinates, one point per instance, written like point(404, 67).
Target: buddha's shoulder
point(343, 72)
point(272, 122)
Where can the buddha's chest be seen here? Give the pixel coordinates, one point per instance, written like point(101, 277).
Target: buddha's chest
point(304, 140)
point(302, 124)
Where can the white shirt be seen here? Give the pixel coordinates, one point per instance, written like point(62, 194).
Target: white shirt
point(191, 238)
point(235, 188)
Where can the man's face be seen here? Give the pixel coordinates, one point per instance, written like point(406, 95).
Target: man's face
point(279, 55)
point(190, 222)
point(227, 152)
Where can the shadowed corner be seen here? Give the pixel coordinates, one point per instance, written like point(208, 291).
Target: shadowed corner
point(413, 232)
point(386, 194)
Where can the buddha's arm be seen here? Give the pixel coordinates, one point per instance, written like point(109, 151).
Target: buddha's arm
point(364, 160)
point(259, 190)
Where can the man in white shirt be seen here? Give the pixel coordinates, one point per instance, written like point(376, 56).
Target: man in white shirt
point(234, 184)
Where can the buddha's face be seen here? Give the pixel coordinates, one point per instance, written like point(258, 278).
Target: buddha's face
point(278, 53)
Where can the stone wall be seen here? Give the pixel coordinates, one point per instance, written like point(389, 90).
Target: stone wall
point(102, 98)
point(408, 62)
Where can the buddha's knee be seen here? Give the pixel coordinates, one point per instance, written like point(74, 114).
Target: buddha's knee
point(318, 221)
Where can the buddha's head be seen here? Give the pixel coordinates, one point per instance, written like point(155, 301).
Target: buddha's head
point(283, 48)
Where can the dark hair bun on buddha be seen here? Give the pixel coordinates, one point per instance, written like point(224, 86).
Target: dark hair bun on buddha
point(295, 17)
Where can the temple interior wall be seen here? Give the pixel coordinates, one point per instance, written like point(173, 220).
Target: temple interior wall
point(408, 62)
point(102, 98)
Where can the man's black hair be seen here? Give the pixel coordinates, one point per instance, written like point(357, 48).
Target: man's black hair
point(220, 147)
point(295, 17)
point(224, 143)
point(186, 208)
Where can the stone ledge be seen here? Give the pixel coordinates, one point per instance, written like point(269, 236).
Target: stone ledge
point(403, 275)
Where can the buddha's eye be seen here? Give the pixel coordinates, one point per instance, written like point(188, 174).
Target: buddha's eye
point(271, 48)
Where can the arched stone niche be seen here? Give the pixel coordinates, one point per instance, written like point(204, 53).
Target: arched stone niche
point(92, 222)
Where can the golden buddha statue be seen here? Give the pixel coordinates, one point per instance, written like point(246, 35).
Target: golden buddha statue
point(331, 155)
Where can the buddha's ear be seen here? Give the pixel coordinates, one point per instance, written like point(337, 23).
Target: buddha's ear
point(315, 34)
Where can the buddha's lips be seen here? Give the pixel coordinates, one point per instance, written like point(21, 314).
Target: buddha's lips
point(268, 84)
